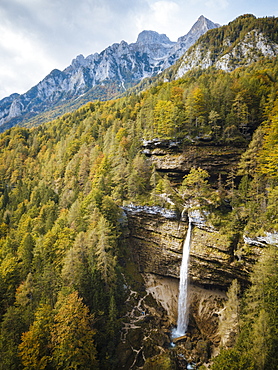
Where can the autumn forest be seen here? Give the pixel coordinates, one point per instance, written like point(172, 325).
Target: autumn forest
point(63, 269)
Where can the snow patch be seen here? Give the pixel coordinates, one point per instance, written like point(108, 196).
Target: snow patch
point(261, 241)
point(152, 210)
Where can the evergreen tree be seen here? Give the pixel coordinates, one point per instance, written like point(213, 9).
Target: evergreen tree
point(105, 250)
point(195, 186)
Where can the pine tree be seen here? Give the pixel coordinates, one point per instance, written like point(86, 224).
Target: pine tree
point(195, 186)
point(105, 249)
point(229, 319)
point(195, 107)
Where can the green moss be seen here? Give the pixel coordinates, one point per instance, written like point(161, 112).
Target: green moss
point(161, 362)
point(212, 244)
point(132, 274)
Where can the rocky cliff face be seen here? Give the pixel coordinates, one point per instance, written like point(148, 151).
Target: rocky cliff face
point(155, 238)
point(176, 159)
point(116, 68)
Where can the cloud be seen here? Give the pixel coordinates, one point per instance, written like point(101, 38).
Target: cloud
point(164, 17)
point(23, 61)
point(40, 35)
point(164, 11)
point(217, 4)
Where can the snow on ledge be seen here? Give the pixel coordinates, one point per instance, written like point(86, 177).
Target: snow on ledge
point(261, 241)
point(152, 210)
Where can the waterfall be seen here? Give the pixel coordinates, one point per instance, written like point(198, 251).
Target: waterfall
point(182, 303)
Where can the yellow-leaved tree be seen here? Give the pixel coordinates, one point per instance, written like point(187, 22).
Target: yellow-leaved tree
point(268, 157)
point(72, 335)
point(164, 119)
point(35, 348)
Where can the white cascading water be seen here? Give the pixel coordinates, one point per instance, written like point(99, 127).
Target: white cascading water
point(182, 303)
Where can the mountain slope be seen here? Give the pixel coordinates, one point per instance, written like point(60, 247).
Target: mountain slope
point(101, 76)
point(240, 43)
point(81, 216)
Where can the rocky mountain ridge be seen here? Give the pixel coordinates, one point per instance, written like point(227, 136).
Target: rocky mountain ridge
point(250, 49)
point(104, 75)
point(231, 50)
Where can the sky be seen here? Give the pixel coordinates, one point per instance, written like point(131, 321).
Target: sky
point(40, 35)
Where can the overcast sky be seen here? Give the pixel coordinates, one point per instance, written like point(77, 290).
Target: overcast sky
point(37, 36)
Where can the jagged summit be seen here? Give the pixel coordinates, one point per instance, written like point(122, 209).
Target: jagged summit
point(201, 26)
point(202, 20)
point(152, 37)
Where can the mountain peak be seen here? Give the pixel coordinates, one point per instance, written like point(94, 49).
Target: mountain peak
point(120, 65)
point(152, 37)
point(201, 26)
point(206, 22)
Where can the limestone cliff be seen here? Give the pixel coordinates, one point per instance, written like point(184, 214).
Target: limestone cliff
point(176, 159)
point(155, 237)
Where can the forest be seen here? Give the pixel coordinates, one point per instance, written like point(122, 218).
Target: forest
point(63, 186)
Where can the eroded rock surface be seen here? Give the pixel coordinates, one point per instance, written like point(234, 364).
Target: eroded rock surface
point(155, 239)
point(176, 159)
point(157, 248)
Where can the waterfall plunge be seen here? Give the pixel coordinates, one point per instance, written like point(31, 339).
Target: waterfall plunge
point(182, 303)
